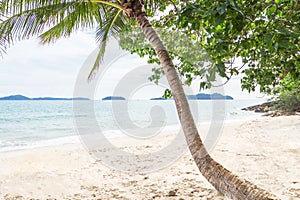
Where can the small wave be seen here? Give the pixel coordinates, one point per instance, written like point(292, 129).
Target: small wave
point(21, 145)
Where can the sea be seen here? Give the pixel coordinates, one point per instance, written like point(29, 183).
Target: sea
point(33, 124)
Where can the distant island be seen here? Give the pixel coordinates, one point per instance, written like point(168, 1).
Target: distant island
point(21, 97)
point(160, 98)
point(202, 96)
point(113, 98)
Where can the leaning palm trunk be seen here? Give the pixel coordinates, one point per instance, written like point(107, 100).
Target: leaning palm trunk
point(223, 180)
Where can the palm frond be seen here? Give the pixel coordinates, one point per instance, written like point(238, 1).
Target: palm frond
point(111, 27)
point(82, 16)
point(25, 20)
point(2, 46)
point(115, 5)
point(50, 20)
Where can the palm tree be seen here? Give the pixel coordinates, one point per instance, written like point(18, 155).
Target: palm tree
point(51, 20)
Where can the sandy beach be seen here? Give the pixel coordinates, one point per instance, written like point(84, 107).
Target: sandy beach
point(264, 151)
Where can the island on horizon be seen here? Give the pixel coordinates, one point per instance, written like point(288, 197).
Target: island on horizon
point(113, 98)
point(21, 97)
point(202, 96)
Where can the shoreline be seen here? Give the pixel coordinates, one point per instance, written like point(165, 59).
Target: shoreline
point(269, 108)
point(76, 138)
point(265, 151)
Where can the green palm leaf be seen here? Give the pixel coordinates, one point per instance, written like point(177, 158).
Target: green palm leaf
point(84, 15)
point(51, 20)
point(22, 24)
point(114, 24)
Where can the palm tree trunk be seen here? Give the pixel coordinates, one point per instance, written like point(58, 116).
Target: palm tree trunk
point(223, 180)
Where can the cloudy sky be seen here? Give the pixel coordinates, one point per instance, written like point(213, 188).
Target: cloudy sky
point(57, 69)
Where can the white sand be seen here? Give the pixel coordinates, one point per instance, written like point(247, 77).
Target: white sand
point(265, 151)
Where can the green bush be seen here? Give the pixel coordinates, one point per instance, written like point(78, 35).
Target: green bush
point(289, 95)
point(288, 102)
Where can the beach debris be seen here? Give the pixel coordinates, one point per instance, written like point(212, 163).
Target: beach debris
point(156, 196)
point(172, 193)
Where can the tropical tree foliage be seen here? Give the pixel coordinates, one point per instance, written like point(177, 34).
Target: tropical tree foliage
point(288, 99)
point(264, 34)
point(190, 59)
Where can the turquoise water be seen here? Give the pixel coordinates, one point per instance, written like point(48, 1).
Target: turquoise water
point(27, 124)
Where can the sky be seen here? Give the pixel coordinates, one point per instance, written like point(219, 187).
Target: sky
point(57, 69)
